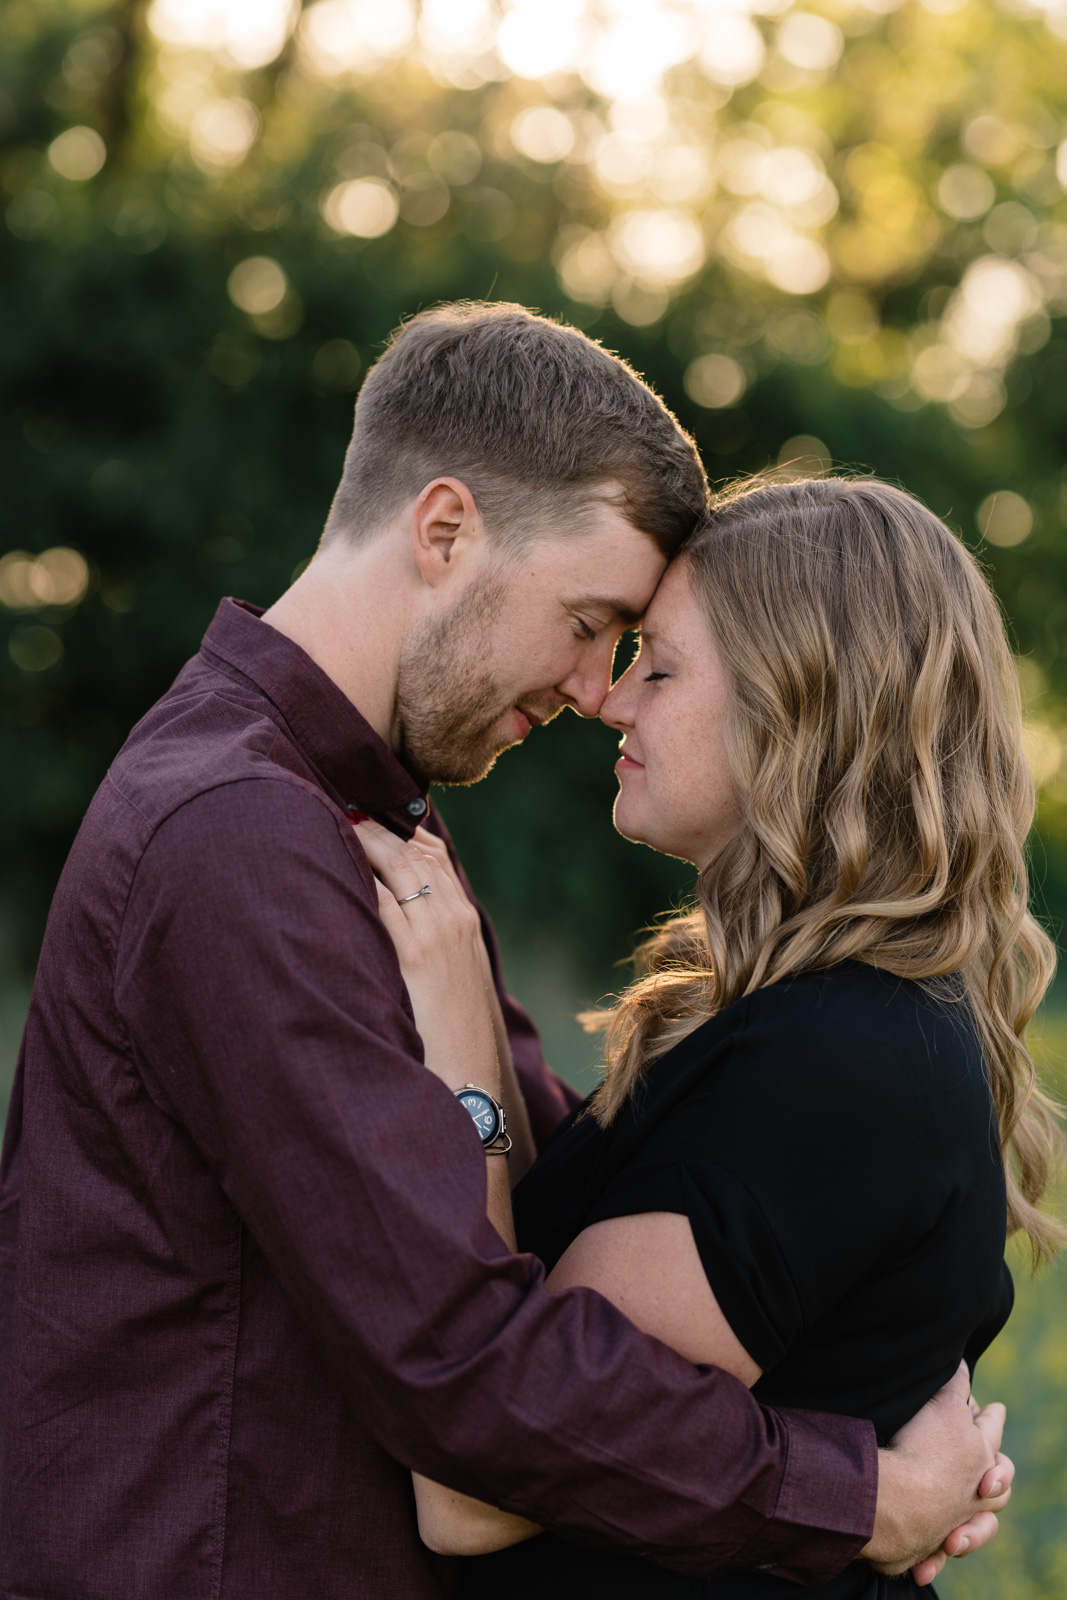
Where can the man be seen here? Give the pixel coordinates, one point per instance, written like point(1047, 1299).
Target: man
point(255, 1279)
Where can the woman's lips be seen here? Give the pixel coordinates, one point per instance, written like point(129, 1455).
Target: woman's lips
point(627, 763)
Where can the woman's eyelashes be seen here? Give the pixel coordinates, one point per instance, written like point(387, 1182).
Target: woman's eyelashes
point(654, 677)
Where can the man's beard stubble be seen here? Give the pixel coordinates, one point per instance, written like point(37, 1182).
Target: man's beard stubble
point(448, 701)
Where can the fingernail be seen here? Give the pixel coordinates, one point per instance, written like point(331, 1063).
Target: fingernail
point(964, 1545)
point(355, 815)
point(998, 1487)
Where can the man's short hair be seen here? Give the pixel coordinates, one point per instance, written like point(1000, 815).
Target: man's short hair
point(532, 415)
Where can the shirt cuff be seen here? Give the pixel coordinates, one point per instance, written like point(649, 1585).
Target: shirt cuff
point(825, 1509)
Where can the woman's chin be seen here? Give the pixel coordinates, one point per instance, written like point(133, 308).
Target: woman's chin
point(626, 824)
point(640, 830)
point(637, 829)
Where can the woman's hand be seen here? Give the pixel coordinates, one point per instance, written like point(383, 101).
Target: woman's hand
point(442, 956)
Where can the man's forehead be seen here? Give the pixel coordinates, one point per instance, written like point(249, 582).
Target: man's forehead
point(611, 607)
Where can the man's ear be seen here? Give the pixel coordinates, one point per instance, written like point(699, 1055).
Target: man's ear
point(445, 527)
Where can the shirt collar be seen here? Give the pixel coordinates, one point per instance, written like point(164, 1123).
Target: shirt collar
point(340, 743)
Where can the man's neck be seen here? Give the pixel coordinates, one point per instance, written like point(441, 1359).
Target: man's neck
point(344, 612)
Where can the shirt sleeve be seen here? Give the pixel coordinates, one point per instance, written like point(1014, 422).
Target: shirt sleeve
point(266, 1013)
point(802, 1117)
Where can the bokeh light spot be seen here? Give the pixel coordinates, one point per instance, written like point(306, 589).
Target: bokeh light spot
point(715, 381)
point(965, 191)
point(34, 648)
point(336, 365)
point(808, 41)
point(365, 208)
point(58, 577)
point(733, 50)
point(78, 154)
point(455, 157)
point(250, 33)
point(355, 35)
point(257, 285)
point(222, 132)
point(543, 133)
point(659, 247)
point(539, 37)
point(803, 456)
point(1005, 518)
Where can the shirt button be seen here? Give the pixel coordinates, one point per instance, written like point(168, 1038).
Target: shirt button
point(416, 807)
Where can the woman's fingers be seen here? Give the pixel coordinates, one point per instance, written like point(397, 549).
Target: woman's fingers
point(995, 1488)
point(962, 1541)
point(402, 867)
point(406, 871)
point(393, 918)
point(976, 1532)
point(925, 1572)
point(991, 1421)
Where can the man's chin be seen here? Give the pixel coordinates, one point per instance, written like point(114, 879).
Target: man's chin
point(458, 771)
point(456, 766)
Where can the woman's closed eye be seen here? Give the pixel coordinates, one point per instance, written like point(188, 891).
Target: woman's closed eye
point(654, 677)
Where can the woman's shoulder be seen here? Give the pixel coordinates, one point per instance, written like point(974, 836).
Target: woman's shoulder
point(883, 1043)
point(857, 1000)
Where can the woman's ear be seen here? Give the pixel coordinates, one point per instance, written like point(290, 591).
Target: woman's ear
point(445, 526)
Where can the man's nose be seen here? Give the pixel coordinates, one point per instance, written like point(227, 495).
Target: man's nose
point(587, 686)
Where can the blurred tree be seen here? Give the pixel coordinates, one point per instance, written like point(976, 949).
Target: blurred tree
point(836, 234)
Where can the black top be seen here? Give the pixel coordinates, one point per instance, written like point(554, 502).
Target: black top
point(832, 1141)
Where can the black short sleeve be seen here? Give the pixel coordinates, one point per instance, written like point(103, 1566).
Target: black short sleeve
point(803, 1135)
point(749, 1275)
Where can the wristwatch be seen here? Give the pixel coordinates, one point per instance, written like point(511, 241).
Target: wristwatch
point(488, 1116)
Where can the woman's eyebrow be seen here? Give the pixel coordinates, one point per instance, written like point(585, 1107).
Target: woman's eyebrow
point(672, 649)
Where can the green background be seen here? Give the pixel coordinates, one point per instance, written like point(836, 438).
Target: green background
point(187, 448)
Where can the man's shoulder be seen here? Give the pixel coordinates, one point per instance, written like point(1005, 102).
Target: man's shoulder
point(208, 776)
point(208, 732)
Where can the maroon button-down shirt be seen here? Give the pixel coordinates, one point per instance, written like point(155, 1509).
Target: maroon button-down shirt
point(248, 1277)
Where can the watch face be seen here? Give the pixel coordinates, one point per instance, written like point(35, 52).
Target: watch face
point(484, 1112)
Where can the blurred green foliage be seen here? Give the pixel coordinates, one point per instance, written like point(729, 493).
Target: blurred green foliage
point(184, 447)
point(1027, 1369)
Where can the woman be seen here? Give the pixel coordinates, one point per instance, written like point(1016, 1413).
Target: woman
point(818, 1119)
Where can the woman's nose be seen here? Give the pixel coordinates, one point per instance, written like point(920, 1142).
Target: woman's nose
point(617, 709)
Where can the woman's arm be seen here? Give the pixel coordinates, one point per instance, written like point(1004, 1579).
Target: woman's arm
point(511, 1097)
point(649, 1267)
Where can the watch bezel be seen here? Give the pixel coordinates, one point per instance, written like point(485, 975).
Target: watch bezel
point(499, 1130)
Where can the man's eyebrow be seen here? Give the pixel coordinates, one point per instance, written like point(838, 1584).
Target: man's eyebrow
point(609, 607)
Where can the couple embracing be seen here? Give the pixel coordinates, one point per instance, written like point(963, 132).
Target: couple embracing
point(317, 1283)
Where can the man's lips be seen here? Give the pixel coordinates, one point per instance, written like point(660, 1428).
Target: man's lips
point(626, 763)
point(525, 719)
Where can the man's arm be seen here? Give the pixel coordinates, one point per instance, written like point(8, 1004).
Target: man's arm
point(266, 1011)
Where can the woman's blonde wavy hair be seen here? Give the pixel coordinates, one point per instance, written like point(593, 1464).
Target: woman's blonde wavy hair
point(874, 736)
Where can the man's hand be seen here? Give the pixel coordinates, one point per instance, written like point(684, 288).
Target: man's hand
point(941, 1483)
